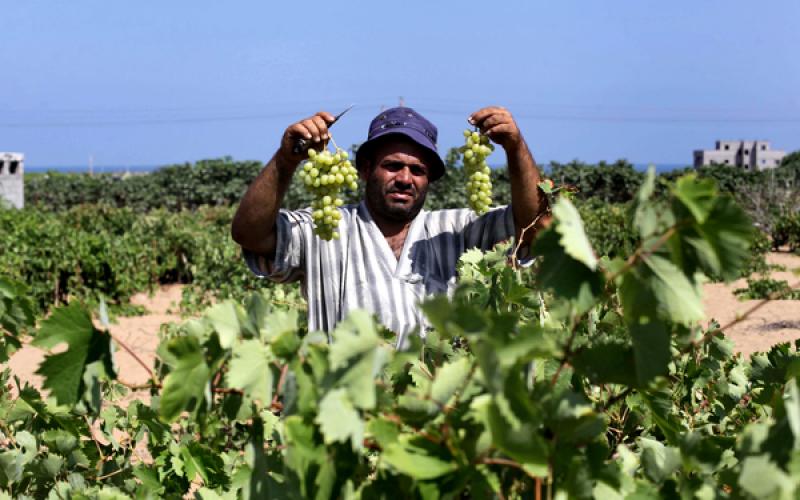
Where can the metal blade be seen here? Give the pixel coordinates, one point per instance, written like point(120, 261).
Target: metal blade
point(301, 144)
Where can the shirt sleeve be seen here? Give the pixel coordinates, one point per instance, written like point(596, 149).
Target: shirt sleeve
point(489, 229)
point(290, 249)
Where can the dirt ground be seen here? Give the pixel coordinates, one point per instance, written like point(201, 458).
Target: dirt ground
point(140, 333)
point(776, 321)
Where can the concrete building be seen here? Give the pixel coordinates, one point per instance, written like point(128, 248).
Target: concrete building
point(749, 155)
point(12, 187)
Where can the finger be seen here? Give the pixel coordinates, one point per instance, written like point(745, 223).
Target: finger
point(482, 114)
point(329, 118)
point(495, 119)
point(298, 130)
point(312, 129)
point(501, 129)
point(322, 127)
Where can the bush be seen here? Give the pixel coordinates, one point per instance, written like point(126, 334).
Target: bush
point(93, 252)
point(786, 231)
point(766, 288)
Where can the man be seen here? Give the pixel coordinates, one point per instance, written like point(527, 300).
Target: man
point(391, 253)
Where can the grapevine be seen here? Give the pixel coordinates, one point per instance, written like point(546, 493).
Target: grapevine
point(324, 175)
point(479, 184)
point(577, 377)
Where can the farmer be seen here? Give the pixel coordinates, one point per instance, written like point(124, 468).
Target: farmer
point(391, 253)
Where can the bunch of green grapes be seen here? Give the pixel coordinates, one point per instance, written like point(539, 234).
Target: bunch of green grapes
point(325, 174)
point(479, 183)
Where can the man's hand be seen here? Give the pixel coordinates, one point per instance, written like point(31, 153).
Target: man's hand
point(497, 123)
point(313, 129)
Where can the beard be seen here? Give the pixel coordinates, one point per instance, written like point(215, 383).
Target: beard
point(380, 202)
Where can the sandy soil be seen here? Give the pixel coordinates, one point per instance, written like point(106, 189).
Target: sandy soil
point(773, 322)
point(777, 321)
point(140, 333)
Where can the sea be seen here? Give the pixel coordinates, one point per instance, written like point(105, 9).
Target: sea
point(143, 169)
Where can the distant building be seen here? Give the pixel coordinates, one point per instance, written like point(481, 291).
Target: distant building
point(749, 155)
point(12, 187)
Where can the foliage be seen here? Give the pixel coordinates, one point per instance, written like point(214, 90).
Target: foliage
point(786, 231)
point(608, 227)
point(91, 253)
point(610, 183)
point(176, 187)
point(580, 377)
point(767, 288)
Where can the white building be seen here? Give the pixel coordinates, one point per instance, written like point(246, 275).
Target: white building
point(12, 187)
point(749, 155)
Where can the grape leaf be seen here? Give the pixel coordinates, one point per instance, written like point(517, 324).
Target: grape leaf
point(353, 337)
point(762, 478)
point(573, 236)
point(697, 195)
point(249, 371)
point(356, 356)
point(185, 386)
point(224, 319)
point(339, 420)
point(658, 461)
point(199, 460)
point(567, 277)
point(607, 363)
point(415, 462)
point(63, 372)
point(449, 379)
point(678, 299)
point(645, 216)
point(651, 350)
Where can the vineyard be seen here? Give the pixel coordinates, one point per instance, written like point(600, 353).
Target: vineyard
point(593, 372)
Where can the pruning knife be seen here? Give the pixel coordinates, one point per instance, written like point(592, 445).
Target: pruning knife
point(301, 144)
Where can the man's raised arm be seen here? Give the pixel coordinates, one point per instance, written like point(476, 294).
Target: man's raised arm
point(527, 202)
point(253, 225)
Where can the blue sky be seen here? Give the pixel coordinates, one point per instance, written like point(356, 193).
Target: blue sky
point(156, 82)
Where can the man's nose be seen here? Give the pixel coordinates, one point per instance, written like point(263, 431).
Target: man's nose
point(403, 175)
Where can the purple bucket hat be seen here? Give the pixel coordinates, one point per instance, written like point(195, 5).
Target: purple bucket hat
point(407, 122)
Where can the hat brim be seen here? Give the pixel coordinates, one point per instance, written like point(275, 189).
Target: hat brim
point(436, 169)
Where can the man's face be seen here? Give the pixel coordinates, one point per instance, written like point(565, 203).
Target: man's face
point(397, 180)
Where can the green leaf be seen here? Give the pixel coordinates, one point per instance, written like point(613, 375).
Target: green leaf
point(415, 462)
point(645, 217)
point(249, 370)
point(607, 363)
point(185, 387)
point(357, 356)
point(224, 319)
point(64, 372)
point(354, 336)
point(658, 461)
point(762, 478)
point(568, 278)
point(521, 442)
point(658, 289)
point(573, 236)
point(383, 431)
point(651, 350)
point(449, 379)
point(339, 420)
point(199, 460)
point(697, 195)
point(678, 299)
point(791, 403)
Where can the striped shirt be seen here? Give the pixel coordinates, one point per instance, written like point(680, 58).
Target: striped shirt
point(360, 270)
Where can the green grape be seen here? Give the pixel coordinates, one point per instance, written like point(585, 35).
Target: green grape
point(479, 180)
point(325, 175)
